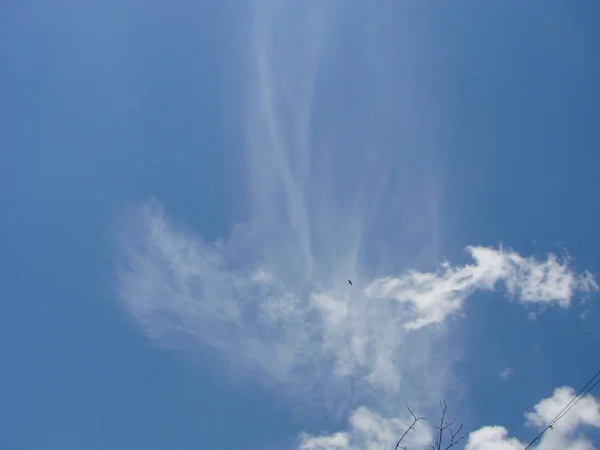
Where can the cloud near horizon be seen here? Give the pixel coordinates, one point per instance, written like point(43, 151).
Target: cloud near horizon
point(370, 431)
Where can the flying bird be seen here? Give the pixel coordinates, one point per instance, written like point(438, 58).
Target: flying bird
point(350, 282)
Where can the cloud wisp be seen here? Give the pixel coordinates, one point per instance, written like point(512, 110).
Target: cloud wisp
point(436, 295)
point(332, 193)
point(506, 373)
point(375, 333)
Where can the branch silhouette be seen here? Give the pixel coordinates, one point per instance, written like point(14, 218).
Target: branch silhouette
point(411, 427)
point(445, 428)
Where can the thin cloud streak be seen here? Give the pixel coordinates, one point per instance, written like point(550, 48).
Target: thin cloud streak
point(506, 373)
point(320, 185)
point(332, 193)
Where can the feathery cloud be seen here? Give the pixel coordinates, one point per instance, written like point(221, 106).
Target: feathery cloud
point(317, 330)
point(506, 373)
point(329, 196)
point(436, 295)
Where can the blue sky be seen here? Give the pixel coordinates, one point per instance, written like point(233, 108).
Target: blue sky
point(186, 189)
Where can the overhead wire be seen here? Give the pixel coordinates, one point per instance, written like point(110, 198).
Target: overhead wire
point(581, 394)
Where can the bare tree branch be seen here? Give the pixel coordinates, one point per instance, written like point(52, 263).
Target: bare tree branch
point(411, 427)
point(453, 437)
point(442, 427)
point(440, 443)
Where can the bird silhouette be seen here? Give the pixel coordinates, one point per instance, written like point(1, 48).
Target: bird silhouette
point(350, 282)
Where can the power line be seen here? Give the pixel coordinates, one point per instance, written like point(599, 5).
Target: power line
point(568, 406)
point(585, 393)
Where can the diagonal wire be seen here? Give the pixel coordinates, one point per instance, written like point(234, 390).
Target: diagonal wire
point(582, 393)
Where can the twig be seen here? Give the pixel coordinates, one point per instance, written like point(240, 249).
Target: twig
point(453, 439)
point(411, 427)
point(442, 427)
point(438, 444)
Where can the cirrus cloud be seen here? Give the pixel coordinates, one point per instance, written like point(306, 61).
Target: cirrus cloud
point(330, 194)
point(313, 332)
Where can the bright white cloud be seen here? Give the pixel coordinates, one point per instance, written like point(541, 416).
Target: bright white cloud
point(493, 438)
point(368, 430)
point(436, 295)
point(563, 435)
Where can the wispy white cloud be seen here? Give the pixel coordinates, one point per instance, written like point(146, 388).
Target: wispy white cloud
point(506, 373)
point(330, 195)
point(273, 296)
point(585, 314)
point(326, 194)
point(185, 291)
point(320, 331)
